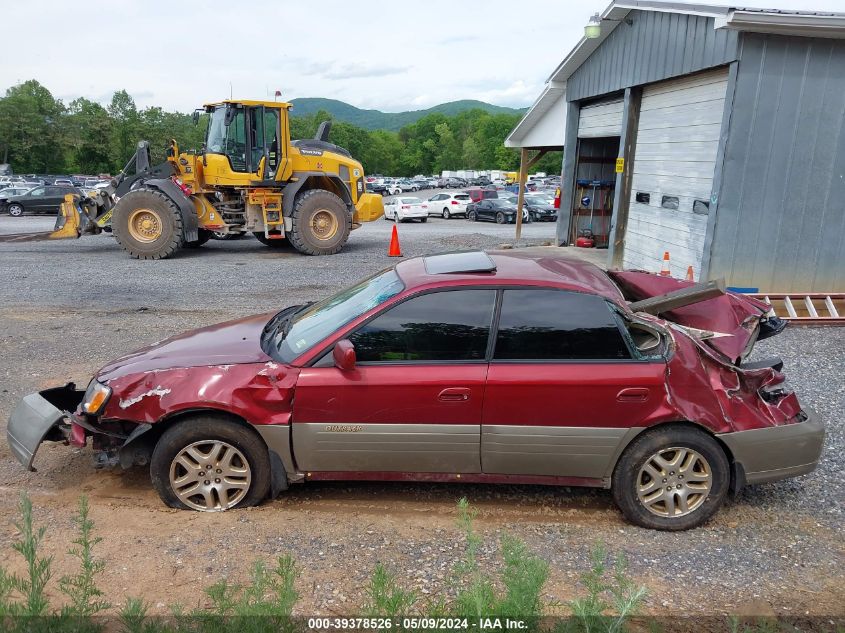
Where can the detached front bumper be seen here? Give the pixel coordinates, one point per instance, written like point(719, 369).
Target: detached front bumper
point(777, 452)
point(39, 417)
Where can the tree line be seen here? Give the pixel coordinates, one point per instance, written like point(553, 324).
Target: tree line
point(41, 134)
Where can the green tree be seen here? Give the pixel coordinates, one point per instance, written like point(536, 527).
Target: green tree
point(125, 128)
point(30, 124)
point(86, 131)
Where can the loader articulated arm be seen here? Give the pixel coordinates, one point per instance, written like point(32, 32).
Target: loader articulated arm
point(90, 215)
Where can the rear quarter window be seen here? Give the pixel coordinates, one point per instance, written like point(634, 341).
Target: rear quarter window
point(548, 324)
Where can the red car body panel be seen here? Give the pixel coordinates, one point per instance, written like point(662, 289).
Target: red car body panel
point(232, 342)
point(382, 395)
point(162, 380)
point(608, 395)
point(730, 313)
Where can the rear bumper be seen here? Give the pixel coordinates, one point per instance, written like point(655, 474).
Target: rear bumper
point(38, 418)
point(777, 452)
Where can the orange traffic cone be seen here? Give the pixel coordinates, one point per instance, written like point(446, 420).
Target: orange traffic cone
point(690, 274)
point(664, 271)
point(394, 250)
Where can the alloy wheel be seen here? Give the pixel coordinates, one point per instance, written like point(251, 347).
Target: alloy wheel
point(674, 482)
point(210, 476)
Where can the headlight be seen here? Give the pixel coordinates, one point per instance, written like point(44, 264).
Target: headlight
point(95, 398)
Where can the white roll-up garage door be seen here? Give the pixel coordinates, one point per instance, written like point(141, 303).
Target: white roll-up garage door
point(674, 162)
point(601, 119)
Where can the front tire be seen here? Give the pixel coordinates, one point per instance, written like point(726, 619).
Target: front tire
point(147, 224)
point(500, 218)
point(321, 223)
point(210, 465)
point(15, 210)
point(671, 478)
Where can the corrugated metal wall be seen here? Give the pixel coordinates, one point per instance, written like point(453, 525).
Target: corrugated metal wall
point(655, 46)
point(780, 220)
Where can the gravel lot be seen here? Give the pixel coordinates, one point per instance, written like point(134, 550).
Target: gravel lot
point(68, 307)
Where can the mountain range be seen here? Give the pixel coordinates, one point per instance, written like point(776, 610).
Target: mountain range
point(378, 120)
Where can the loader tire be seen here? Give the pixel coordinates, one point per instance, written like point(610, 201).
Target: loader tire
point(321, 223)
point(148, 225)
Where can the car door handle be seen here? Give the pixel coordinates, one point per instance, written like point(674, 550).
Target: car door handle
point(454, 394)
point(633, 394)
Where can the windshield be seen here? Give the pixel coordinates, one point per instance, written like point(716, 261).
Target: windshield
point(216, 131)
point(314, 323)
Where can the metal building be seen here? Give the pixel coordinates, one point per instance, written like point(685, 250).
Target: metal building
point(730, 127)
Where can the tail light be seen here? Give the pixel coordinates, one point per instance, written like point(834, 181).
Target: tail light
point(774, 392)
point(406, 206)
point(557, 198)
point(455, 202)
point(425, 206)
point(185, 188)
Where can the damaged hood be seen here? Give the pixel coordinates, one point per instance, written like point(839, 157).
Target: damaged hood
point(230, 343)
point(738, 321)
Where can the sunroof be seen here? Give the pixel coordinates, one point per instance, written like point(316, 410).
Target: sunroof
point(465, 262)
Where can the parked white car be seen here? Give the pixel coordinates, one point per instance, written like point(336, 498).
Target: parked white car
point(391, 187)
point(449, 205)
point(404, 208)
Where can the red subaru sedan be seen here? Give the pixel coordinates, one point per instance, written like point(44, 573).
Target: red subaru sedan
point(472, 367)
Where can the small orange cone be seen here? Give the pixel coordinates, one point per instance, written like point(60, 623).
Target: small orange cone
point(664, 271)
point(394, 250)
point(690, 274)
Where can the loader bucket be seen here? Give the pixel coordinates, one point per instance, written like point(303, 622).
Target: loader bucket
point(71, 222)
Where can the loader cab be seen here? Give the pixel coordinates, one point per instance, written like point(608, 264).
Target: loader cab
point(245, 143)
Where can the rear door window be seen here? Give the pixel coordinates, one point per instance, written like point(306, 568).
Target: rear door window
point(436, 327)
point(547, 325)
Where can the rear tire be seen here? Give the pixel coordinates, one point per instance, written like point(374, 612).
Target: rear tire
point(189, 440)
point(275, 243)
point(321, 223)
point(15, 210)
point(446, 214)
point(147, 224)
point(423, 220)
point(671, 478)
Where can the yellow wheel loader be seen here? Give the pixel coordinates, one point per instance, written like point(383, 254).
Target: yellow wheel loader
point(249, 177)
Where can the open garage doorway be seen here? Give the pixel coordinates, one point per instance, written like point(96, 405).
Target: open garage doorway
point(595, 181)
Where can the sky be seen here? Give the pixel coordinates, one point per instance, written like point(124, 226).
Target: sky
point(390, 56)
